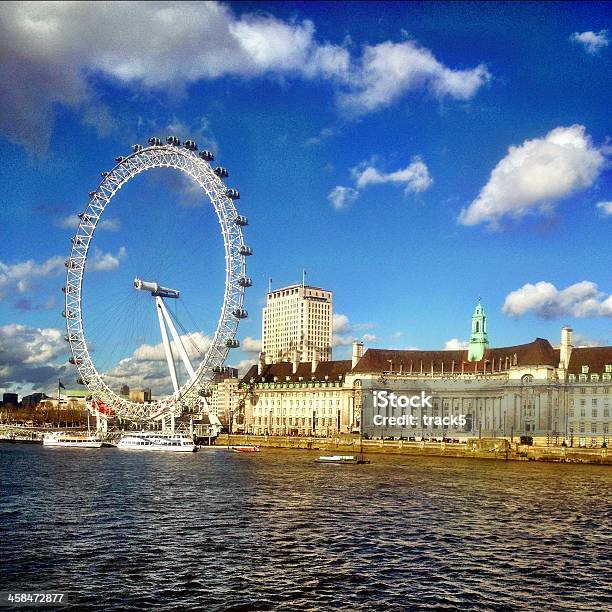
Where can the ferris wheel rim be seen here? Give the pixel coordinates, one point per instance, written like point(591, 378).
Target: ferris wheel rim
point(236, 251)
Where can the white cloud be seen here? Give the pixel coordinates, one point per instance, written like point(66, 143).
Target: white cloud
point(415, 176)
point(581, 299)
point(455, 345)
point(340, 323)
point(250, 345)
point(535, 174)
point(71, 222)
point(341, 197)
point(605, 208)
point(55, 48)
point(345, 332)
point(104, 262)
point(592, 42)
point(196, 344)
point(147, 368)
point(28, 358)
point(20, 276)
point(244, 365)
point(388, 70)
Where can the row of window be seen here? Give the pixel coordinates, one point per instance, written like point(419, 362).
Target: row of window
point(595, 427)
point(592, 377)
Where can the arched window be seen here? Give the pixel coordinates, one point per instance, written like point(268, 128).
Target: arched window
point(477, 326)
point(527, 378)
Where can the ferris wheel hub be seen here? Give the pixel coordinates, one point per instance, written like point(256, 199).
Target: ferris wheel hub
point(155, 289)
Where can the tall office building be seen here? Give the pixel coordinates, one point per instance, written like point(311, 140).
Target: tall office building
point(297, 321)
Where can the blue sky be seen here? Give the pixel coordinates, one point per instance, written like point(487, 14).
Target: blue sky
point(410, 156)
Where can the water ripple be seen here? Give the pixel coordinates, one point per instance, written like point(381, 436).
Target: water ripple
point(276, 531)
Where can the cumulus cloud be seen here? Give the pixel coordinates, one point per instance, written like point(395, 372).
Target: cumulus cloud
point(387, 70)
point(581, 299)
point(104, 262)
point(535, 174)
point(53, 50)
point(592, 42)
point(605, 208)
point(147, 367)
point(250, 345)
point(455, 344)
point(19, 277)
point(345, 332)
point(414, 177)
point(71, 222)
point(28, 358)
point(341, 197)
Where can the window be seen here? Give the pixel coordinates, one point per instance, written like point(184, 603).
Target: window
point(585, 369)
point(594, 413)
point(594, 377)
point(593, 428)
point(582, 377)
point(572, 378)
point(609, 367)
point(581, 428)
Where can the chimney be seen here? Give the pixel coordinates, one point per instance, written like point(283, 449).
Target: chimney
point(566, 347)
point(357, 352)
point(261, 363)
point(315, 361)
point(295, 360)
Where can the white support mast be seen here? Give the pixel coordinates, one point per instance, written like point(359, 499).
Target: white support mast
point(165, 324)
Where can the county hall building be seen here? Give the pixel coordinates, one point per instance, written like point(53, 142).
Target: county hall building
point(551, 394)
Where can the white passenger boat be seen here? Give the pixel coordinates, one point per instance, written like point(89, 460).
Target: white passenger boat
point(72, 440)
point(157, 441)
point(342, 459)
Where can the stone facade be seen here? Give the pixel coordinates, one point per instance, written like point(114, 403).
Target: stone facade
point(535, 390)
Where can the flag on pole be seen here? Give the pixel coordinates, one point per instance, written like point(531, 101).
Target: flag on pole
point(61, 384)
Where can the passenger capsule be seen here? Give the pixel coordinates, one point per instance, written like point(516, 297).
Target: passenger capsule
point(191, 145)
point(173, 140)
point(155, 142)
point(245, 281)
point(232, 343)
point(233, 194)
point(221, 172)
point(119, 159)
point(207, 156)
point(241, 221)
point(245, 250)
point(240, 313)
point(136, 148)
point(104, 174)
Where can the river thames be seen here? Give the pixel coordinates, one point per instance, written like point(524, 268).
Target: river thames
point(221, 531)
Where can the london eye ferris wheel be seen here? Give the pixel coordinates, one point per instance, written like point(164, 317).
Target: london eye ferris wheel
point(187, 394)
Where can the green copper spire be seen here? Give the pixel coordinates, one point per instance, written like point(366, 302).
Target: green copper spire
point(478, 339)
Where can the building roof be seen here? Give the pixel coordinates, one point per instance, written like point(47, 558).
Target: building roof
point(539, 352)
point(333, 370)
point(298, 285)
point(596, 357)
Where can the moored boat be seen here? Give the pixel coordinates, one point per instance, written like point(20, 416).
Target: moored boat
point(342, 459)
point(157, 441)
point(245, 449)
point(72, 440)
